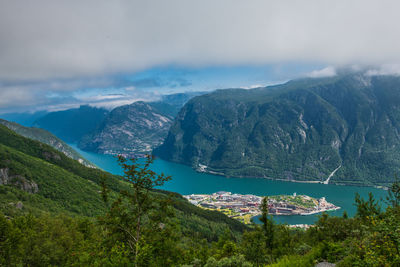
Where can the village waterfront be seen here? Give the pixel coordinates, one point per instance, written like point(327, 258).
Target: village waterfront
point(187, 181)
point(245, 207)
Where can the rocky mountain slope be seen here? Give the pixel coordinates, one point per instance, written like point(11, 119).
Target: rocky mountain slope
point(129, 129)
point(137, 128)
point(343, 129)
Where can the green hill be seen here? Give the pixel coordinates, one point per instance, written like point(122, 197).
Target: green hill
point(47, 138)
point(51, 214)
point(66, 186)
point(302, 130)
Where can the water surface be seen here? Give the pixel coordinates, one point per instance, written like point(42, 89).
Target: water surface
point(187, 181)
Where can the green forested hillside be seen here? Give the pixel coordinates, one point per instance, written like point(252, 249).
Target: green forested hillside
point(46, 137)
point(302, 130)
point(53, 213)
point(66, 186)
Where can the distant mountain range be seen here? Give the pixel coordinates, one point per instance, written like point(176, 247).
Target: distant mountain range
point(343, 129)
point(133, 129)
point(72, 124)
point(25, 119)
point(137, 128)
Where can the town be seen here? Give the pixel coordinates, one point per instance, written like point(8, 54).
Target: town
point(245, 207)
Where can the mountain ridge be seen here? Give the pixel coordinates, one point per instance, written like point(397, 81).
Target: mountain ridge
point(135, 129)
point(48, 138)
point(301, 130)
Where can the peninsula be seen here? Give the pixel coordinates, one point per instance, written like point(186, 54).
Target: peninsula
point(244, 207)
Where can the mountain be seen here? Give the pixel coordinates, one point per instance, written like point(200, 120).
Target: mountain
point(137, 128)
point(25, 119)
point(129, 129)
point(47, 138)
point(37, 179)
point(72, 124)
point(343, 129)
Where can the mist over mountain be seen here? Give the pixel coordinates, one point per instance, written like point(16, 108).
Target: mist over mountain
point(344, 127)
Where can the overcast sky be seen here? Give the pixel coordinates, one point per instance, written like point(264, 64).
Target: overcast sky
point(52, 51)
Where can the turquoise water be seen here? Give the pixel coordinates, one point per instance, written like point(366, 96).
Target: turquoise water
point(187, 181)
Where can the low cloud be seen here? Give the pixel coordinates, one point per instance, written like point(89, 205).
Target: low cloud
point(325, 72)
point(252, 86)
point(391, 69)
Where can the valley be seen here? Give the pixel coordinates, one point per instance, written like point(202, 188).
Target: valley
point(187, 181)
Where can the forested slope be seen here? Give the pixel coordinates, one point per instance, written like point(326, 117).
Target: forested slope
point(302, 130)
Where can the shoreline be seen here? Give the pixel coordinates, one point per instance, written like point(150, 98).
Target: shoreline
point(204, 170)
point(247, 207)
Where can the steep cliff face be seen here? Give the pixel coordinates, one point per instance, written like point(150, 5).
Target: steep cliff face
point(130, 129)
point(302, 130)
point(137, 128)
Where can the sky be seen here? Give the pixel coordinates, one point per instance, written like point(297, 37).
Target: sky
point(61, 54)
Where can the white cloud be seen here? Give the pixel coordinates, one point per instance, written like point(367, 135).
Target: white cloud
point(48, 39)
point(48, 45)
point(15, 96)
point(116, 103)
point(388, 69)
point(252, 86)
point(325, 72)
point(101, 97)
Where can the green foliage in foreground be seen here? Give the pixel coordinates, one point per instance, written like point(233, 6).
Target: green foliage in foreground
point(65, 241)
point(372, 238)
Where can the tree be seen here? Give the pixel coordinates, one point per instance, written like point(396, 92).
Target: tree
point(253, 246)
point(268, 225)
point(367, 208)
point(136, 213)
point(345, 215)
point(393, 198)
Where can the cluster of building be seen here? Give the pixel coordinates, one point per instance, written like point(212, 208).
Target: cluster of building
point(226, 200)
point(287, 207)
point(249, 204)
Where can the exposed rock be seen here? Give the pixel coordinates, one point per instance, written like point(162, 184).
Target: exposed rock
point(325, 264)
point(50, 156)
point(130, 129)
point(4, 179)
point(19, 205)
point(135, 129)
point(18, 181)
